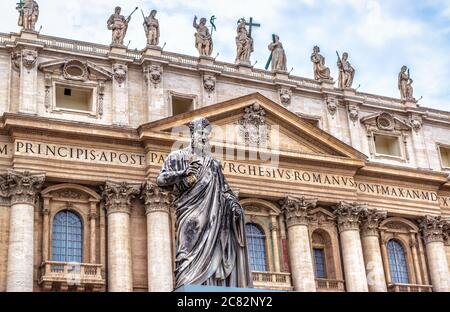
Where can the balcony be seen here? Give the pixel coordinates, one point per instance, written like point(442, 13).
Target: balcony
point(272, 281)
point(63, 276)
point(330, 285)
point(409, 288)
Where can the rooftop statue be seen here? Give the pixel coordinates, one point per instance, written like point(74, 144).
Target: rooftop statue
point(151, 26)
point(211, 243)
point(119, 26)
point(244, 43)
point(346, 72)
point(203, 38)
point(321, 72)
point(278, 56)
point(29, 14)
point(405, 85)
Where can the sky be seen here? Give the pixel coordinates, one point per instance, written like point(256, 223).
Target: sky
point(380, 35)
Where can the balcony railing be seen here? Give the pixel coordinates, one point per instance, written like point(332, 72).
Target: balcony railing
point(410, 288)
point(272, 280)
point(330, 285)
point(71, 276)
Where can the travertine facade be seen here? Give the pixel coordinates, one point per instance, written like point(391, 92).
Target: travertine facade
point(85, 128)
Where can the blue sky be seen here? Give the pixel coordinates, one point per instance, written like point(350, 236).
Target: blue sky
point(379, 35)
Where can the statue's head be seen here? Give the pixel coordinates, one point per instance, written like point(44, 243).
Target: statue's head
point(203, 21)
point(277, 38)
point(118, 10)
point(200, 130)
point(404, 68)
point(316, 49)
point(153, 13)
point(345, 56)
point(241, 21)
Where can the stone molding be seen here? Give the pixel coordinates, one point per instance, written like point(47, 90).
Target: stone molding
point(21, 187)
point(296, 210)
point(349, 216)
point(118, 196)
point(371, 220)
point(433, 229)
point(155, 198)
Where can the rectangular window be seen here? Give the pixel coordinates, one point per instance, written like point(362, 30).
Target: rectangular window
point(181, 105)
point(445, 156)
point(74, 98)
point(319, 260)
point(387, 145)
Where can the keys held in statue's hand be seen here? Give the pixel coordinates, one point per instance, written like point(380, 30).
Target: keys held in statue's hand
point(192, 172)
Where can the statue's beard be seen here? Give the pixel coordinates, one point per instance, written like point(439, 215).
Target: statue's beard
point(201, 149)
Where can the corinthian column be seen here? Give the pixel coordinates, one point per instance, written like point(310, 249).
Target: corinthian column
point(433, 235)
point(23, 188)
point(118, 209)
point(371, 250)
point(296, 214)
point(348, 216)
point(159, 253)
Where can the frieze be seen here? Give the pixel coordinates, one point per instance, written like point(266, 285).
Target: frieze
point(321, 179)
point(77, 153)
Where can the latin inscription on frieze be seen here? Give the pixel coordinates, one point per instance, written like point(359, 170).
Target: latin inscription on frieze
point(319, 179)
point(79, 154)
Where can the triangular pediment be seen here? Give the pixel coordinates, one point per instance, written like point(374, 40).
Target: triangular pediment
point(294, 135)
point(87, 70)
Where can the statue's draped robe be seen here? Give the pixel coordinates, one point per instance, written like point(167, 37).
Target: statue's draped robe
point(278, 57)
point(203, 40)
point(320, 70)
point(403, 84)
point(346, 74)
point(244, 44)
point(119, 26)
point(211, 243)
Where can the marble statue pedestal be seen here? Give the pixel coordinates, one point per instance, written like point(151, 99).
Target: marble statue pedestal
point(212, 289)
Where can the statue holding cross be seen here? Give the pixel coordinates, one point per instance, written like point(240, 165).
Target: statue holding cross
point(244, 41)
point(29, 14)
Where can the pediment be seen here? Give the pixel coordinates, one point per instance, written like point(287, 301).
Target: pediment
point(239, 119)
point(385, 122)
point(86, 70)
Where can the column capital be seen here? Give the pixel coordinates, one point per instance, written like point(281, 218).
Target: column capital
point(371, 220)
point(22, 186)
point(118, 196)
point(296, 209)
point(433, 229)
point(155, 198)
point(349, 216)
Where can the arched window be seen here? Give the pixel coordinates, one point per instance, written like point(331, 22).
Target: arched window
point(67, 237)
point(397, 263)
point(256, 243)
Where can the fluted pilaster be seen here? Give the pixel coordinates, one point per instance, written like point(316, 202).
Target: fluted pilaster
point(159, 253)
point(349, 219)
point(296, 214)
point(373, 259)
point(434, 232)
point(22, 188)
point(118, 197)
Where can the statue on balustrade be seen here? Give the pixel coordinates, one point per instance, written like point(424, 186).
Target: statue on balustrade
point(405, 85)
point(119, 26)
point(29, 14)
point(346, 72)
point(321, 72)
point(210, 236)
point(203, 38)
point(278, 56)
point(151, 26)
point(244, 43)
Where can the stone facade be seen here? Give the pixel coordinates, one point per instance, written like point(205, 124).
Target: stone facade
point(334, 190)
